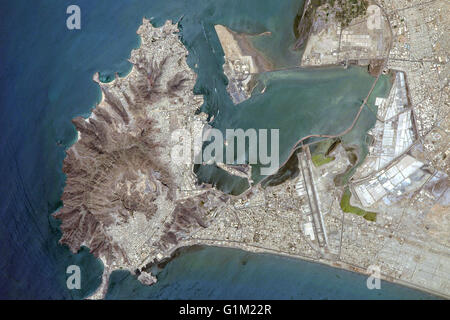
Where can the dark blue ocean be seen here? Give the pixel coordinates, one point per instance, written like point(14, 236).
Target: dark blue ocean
point(46, 80)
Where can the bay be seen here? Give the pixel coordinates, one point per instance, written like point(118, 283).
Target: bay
point(46, 79)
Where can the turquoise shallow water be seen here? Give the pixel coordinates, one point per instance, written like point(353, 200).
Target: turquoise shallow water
point(46, 80)
point(304, 102)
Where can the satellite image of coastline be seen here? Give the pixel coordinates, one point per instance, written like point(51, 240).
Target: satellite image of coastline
point(225, 149)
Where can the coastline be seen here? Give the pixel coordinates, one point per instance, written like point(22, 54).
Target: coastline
point(104, 138)
point(175, 251)
point(341, 265)
point(53, 92)
point(256, 249)
point(236, 45)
